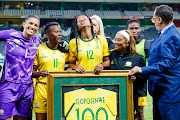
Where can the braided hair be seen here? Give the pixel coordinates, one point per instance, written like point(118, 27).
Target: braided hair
point(75, 33)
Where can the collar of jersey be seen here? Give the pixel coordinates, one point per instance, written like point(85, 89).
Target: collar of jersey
point(49, 47)
point(86, 40)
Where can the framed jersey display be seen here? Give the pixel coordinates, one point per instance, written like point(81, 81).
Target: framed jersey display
point(75, 96)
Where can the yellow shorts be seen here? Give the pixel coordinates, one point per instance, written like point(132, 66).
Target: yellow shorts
point(40, 98)
point(142, 101)
point(34, 81)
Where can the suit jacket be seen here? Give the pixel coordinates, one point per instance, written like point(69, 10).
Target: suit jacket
point(164, 66)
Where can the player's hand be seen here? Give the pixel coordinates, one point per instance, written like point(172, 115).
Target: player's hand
point(44, 73)
point(135, 70)
point(133, 78)
point(80, 69)
point(98, 68)
point(69, 69)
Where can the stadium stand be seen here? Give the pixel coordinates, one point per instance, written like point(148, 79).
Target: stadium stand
point(2, 46)
point(111, 13)
point(132, 13)
point(147, 13)
point(88, 12)
point(175, 13)
point(53, 12)
point(21, 12)
point(71, 12)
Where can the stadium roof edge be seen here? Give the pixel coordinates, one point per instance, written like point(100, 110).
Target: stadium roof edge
point(118, 1)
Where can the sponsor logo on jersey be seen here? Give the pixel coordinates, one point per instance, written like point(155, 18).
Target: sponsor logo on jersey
point(1, 112)
point(17, 41)
point(37, 105)
point(44, 55)
point(128, 64)
point(26, 43)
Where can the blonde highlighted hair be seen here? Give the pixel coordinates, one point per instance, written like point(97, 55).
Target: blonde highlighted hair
point(99, 20)
point(132, 43)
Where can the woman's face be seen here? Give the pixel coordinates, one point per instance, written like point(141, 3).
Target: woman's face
point(120, 42)
point(83, 21)
point(54, 34)
point(31, 26)
point(96, 27)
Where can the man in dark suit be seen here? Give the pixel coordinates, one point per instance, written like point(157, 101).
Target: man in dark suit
point(163, 66)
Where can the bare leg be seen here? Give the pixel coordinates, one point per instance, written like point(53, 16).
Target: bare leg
point(41, 116)
point(140, 113)
point(20, 118)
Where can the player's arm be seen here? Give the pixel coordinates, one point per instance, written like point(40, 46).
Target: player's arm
point(36, 74)
point(73, 58)
point(106, 63)
point(4, 35)
point(80, 69)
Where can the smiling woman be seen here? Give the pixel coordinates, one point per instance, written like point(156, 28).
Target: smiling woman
point(30, 26)
point(16, 84)
point(124, 57)
point(48, 58)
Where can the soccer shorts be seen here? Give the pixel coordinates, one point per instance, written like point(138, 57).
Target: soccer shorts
point(142, 101)
point(40, 98)
point(16, 99)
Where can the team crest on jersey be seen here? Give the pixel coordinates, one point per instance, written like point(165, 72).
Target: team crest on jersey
point(44, 55)
point(34, 45)
point(97, 47)
point(79, 49)
point(128, 64)
point(112, 62)
point(1, 112)
point(37, 105)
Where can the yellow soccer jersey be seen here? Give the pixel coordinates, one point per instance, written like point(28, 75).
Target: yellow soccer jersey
point(90, 53)
point(99, 104)
point(49, 59)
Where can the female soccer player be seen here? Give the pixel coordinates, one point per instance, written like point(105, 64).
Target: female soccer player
point(125, 57)
point(16, 85)
point(99, 30)
point(86, 50)
point(48, 58)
